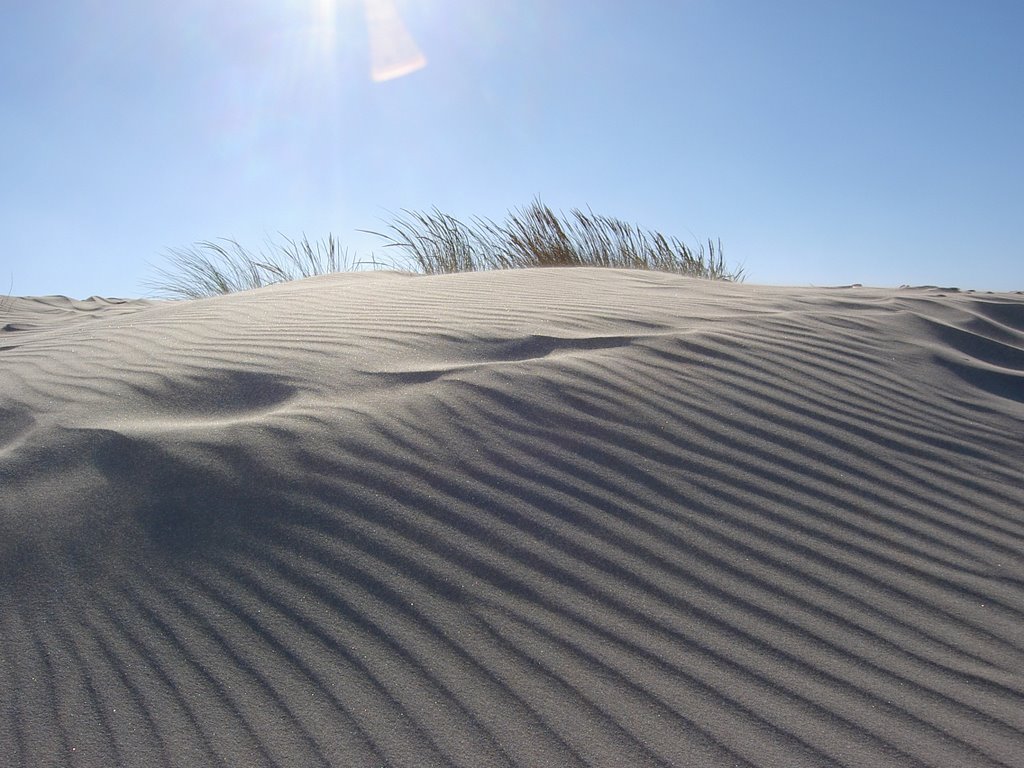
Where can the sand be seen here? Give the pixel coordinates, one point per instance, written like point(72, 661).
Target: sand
point(534, 518)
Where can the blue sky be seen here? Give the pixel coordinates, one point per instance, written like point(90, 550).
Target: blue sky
point(824, 141)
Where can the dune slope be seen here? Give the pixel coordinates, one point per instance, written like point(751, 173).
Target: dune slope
point(535, 518)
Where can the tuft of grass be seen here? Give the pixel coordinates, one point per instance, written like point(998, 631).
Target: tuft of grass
point(6, 299)
point(433, 242)
point(212, 267)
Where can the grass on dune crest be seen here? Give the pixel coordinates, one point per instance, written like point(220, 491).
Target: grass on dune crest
point(213, 267)
point(5, 300)
point(433, 243)
point(437, 243)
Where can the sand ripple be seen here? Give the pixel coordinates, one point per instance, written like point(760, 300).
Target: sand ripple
point(537, 518)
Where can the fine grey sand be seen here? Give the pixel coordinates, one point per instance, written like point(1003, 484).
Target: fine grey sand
point(554, 517)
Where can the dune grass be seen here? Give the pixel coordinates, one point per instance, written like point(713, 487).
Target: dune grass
point(434, 242)
point(437, 243)
point(212, 267)
point(6, 299)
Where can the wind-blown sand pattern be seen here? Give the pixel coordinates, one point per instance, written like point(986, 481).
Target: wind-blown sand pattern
point(534, 518)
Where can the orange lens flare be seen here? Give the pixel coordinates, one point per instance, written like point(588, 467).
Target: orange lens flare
point(393, 52)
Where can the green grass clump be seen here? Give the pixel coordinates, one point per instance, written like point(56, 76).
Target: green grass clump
point(436, 243)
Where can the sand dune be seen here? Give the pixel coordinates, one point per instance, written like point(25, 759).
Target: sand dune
point(532, 518)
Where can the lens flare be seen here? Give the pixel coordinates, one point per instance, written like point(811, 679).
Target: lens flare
point(393, 52)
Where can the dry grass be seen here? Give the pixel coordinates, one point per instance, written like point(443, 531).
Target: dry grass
point(437, 243)
point(212, 267)
point(6, 300)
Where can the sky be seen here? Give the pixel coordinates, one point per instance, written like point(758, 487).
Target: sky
point(824, 142)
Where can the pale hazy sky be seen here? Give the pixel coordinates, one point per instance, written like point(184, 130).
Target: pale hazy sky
point(824, 141)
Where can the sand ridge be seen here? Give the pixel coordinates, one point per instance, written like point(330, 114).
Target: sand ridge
point(538, 517)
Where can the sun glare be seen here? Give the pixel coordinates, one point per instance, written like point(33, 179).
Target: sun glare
point(325, 25)
point(393, 51)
